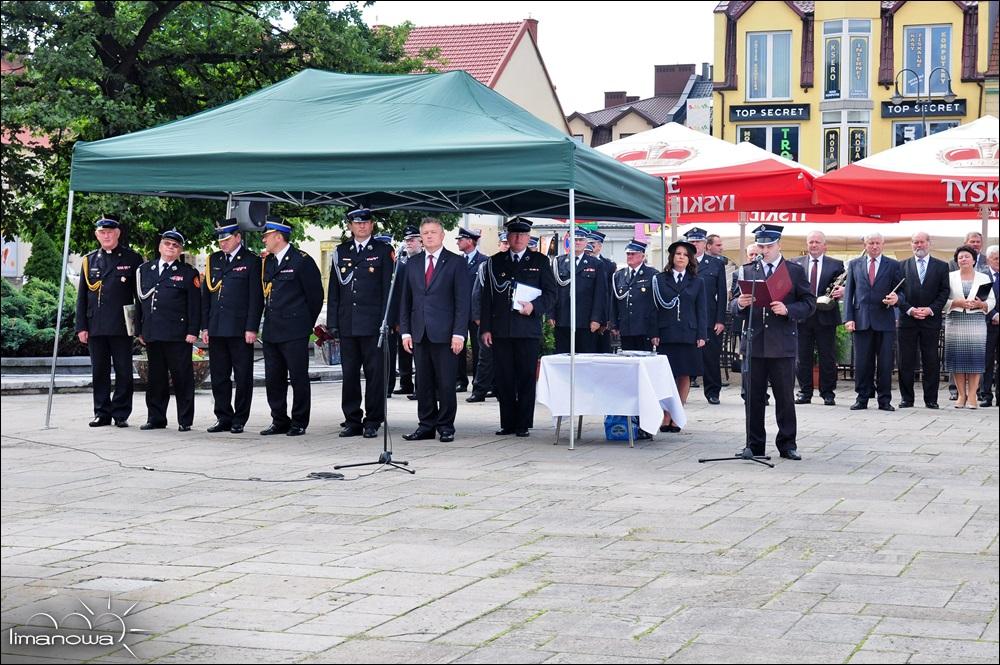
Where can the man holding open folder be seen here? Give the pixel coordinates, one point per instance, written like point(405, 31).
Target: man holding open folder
point(780, 300)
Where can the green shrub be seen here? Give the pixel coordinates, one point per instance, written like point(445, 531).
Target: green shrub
point(45, 262)
point(29, 320)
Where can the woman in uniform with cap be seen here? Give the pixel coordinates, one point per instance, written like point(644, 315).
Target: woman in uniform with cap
point(680, 320)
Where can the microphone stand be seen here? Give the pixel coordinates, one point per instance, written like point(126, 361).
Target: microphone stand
point(747, 453)
point(386, 457)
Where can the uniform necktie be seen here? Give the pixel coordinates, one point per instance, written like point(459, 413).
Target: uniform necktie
point(631, 276)
point(814, 277)
point(517, 259)
point(164, 267)
point(871, 272)
point(430, 270)
point(677, 277)
point(770, 270)
point(922, 269)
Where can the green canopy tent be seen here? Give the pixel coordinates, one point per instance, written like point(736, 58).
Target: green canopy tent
point(434, 142)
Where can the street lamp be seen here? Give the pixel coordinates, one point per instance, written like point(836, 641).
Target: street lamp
point(948, 97)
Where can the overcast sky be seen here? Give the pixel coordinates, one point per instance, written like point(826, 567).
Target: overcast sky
point(588, 47)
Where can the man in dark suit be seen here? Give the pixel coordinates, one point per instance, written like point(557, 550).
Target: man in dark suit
point(293, 298)
point(514, 329)
point(989, 379)
point(597, 238)
point(356, 302)
point(411, 247)
point(712, 271)
point(169, 317)
point(107, 284)
point(774, 344)
point(468, 244)
point(869, 299)
point(232, 302)
point(819, 331)
point(434, 318)
point(632, 310)
point(591, 298)
point(921, 301)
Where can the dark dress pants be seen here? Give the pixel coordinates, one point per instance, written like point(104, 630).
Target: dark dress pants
point(710, 354)
point(873, 360)
point(636, 343)
point(170, 361)
point(516, 361)
point(107, 351)
point(919, 341)
point(823, 339)
point(288, 363)
point(986, 383)
point(485, 375)
point(231, 358)
point(357, 354)
point(461, 368)
point(780, 373)
point(436, 401)
point(393, 340)
point(586, 341)
point(405, 360)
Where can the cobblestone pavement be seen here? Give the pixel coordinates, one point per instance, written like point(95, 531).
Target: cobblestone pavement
point(880, 546)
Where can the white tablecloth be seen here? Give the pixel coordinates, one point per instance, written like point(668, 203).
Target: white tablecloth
point(610, 384)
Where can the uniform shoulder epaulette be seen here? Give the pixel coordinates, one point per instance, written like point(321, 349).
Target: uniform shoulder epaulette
point(304, 253)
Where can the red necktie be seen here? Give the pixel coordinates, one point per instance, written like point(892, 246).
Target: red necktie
point(813, 277)
point(430, 270)
point(871, 271)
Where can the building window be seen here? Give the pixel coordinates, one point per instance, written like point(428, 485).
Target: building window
point(846, 59)
point(625, 135)
point(845, 138)
point(781, 140)
point(769, 65)
point(904, 132)
point(927, 47)
point(578, 138)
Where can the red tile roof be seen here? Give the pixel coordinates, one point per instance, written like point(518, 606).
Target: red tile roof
point(482, 50)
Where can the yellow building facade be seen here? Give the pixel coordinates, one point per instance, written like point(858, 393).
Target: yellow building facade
point(828, 83)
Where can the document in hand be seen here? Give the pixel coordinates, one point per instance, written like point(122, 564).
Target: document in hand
point(775, 287)
point(523, 293)
point(984, 291)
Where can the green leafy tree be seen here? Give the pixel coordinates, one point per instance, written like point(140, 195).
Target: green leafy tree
point(45, 261)
point(98, 69)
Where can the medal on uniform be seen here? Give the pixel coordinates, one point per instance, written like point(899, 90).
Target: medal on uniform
point(371, 268)
point(343, 270)
point(643, 289)
point(123, 279)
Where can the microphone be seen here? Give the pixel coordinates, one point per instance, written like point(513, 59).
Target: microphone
point(758, 259)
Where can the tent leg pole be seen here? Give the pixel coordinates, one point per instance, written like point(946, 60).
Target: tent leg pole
point(984, 215)
point(572, 318)
point(62, 297)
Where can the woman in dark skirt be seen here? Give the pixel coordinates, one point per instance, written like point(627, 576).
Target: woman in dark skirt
point(680, 319)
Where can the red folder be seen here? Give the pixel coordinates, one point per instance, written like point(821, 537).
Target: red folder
point(775, 287)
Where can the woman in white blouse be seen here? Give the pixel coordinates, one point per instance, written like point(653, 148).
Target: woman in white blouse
point(965, 328)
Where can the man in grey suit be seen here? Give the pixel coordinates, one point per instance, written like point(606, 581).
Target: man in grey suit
point(922, 298)
point(434, 318)
point(819, 331)
point(869, 299)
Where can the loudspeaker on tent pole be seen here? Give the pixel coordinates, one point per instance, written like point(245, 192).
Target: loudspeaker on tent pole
point(251, 215)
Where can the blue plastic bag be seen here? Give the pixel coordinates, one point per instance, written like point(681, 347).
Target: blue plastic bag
point(615, 427)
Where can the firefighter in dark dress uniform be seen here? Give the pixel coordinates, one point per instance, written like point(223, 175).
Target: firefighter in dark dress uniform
point(610, 268)
point(515, 335)
point(107, 284)
point(232, 301)
point(632, 310)
point(591, 297)
point(169, 317)
point(358, 294)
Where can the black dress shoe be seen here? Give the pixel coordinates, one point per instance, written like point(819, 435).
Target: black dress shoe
point(986, 403)
point(906, 405)
point(670, 428)
point(643, 436)
point(791, 454)
point(371, 431)
point(459, 388)
point(236, 429)
point(491, 394)
point(712, 400)
point(931, 405)
point(829, 401)
point(351, 430)
point(447, 437)
point(802, 399)
point(523, 433)
point(219, 427)
point(419, 435)
point(121, 423)
point(100, 422)
point(475, 398)
point(295, 430)
point(274, 429)
point(402, 391)
point(886, 407)
point(412, 398)
point(149, 426)
point(183, 428)
point(859, 406)
point(953, 396)
point(504, 432)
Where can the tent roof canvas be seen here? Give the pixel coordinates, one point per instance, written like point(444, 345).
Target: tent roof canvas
point(436, 142)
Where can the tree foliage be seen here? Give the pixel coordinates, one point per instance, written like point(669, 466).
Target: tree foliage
point(28, 319)
point(45, 261)
point(97, 69)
